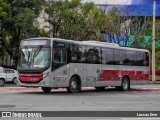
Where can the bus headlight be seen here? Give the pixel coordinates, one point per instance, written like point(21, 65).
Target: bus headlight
point(45, 75)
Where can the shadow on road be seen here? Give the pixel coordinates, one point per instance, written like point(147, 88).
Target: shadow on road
point(63, 92)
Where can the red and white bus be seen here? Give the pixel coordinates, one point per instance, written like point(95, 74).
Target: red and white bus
point(58, 63)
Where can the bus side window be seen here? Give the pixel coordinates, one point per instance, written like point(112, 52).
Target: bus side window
point(141, 59)
point(131, 58)
point(82, 54)
point(107, 56)
point(147, 59)
point(73, 53)
point(103, 56)
point(93, 55)
point(60, 56)
point(119, 57)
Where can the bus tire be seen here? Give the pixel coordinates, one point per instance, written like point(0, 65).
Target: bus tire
point(2, 82)
point(73, 85)
point(14, 80)
point(125, 84)
point(46, 89)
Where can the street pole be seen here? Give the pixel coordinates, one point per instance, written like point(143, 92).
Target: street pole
point(153, 40)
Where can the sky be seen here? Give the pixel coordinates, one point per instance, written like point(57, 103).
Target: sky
point(122, 2)
point(109, 1)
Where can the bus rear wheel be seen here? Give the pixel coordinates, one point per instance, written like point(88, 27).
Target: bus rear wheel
point(125, 84)
point(46, 89)
point(73, 85)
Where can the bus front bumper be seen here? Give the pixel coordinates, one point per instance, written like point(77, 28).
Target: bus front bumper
point(40, 84)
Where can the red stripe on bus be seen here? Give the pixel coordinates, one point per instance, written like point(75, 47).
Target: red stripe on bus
point(119, 74)
point(30, 78)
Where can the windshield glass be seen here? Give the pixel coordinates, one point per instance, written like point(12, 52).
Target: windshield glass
point(34, 57)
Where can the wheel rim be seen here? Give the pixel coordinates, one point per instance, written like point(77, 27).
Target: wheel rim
point(14, 80)
point(125, 84)
point(74, 85)
point(1, 82)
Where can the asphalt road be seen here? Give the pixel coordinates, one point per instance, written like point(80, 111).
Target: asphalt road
point(139, 98)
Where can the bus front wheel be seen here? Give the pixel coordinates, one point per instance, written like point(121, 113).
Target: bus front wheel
point(2, 82)
point(46, 89)
point(73, 85)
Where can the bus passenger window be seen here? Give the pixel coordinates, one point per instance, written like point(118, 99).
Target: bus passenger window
point(131, 58)
point(147, 59)
point(141, 58)
point(82, 54)
point(107, 56)
point(119, 57)
point(93, 55)
point(60, 56)
point(73, 53)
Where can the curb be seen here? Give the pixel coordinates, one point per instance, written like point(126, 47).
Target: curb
point(154, 82)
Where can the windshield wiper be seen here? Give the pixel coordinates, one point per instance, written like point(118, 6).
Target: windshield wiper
point(27, 53)
point(37, 51)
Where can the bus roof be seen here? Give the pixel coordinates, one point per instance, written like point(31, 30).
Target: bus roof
point(91, 43)
point(110, 45)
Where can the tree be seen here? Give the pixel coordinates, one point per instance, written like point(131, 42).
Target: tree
point(148, 32)
point(3, 6)
point(119, 23)
point(72, 20)
point(19, 22)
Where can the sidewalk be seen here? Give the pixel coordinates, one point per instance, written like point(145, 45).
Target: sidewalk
point(155, 82)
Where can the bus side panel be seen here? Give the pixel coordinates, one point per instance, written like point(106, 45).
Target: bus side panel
point(143, 74)
point(93, 74)
point(80, 70)
point(106, 79)
point(132, 73)
point(121, 71)
point(61, 76)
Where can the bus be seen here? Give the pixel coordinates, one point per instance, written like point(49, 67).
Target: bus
point(52, 63)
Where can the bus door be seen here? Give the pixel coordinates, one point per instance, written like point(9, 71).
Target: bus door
point(93, 65)
point(80, 67)
point(59, 64)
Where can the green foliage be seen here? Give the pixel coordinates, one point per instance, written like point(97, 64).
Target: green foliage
point(72, 20)
point(158, 58)
point(18, 22)
point(3, 6)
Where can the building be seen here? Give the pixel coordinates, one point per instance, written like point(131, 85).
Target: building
point(134, 8)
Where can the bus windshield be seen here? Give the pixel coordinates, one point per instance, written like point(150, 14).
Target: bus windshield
point(34, 57)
